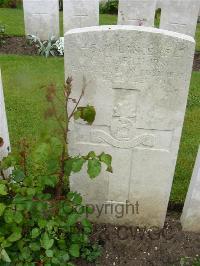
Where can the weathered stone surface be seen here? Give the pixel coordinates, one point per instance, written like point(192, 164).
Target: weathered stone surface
point(3, 125)
point(137, 78)
point(159, 4)
point(41, 18)
point(136, 12)
point(190, 218)
point(180, 16)
point(80, 13)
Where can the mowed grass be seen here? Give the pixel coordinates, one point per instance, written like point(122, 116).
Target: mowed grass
point(13, 19)
point(24, 80)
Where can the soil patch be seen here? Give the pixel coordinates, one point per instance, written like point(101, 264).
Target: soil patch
point(17, 45)
point(130, 246)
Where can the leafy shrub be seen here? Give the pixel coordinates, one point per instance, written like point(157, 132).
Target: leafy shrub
point(46, 48)
point(42, 222)
point(109, 7)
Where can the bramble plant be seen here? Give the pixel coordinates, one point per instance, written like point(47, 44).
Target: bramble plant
point(42, 222)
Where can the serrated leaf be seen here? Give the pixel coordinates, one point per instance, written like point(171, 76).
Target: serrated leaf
point(74, 250)
point(18, 175)
point(77, 164)
point(87, 113)
point(49, 253)
point(9, 216)
point(34, 246)
point(68, 167)
point(14, 237)
point(46, 242)
point(72, 219)
point(35, 233)
point(50, 181)
point(107, 159)
point(4, 256)
point(18, 217)
point(94, 168)
point(3, 190)
point(42, 223)
point(77, 114)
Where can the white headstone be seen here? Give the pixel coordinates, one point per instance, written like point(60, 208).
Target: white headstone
point(159, 4)
point(3, 125)
point(180, 16)
point(80, 13)
point(190, 218)
point(138, 79)
point(41, 18)
point(136, 12)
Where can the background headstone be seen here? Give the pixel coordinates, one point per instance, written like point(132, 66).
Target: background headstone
point(3, 125)
point(190, 218)
point(41, 18)
point(138, 79)
point(136, 12)
point(80, 13)
point(180, 16)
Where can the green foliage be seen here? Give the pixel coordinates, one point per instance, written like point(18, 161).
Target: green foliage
point(109, 7)
point(45, 48)
point(42, 222)
point(10, 3)
point(87, 114)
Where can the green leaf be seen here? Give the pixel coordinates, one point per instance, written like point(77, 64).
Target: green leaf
point(35, 233)
point(4, 256)
point(14, 237)
point(50, 181)
point(77, 164)
point(74, 250)
point(18, 217)
point(34, 246)
point(2, 208)
point(9, 216)
point(42, 223)
point(68, 167)
point(31, 191)
point(18, 175)
point(3, 190)
point(49, 253)
point(46, 242)
point(77, 114)
point(107, 159)
point(72, 219)
point(87, 114)
point(94, 168)
point(91, 155)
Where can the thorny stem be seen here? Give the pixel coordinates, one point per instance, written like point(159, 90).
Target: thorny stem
point(65, 153)
point(80, 97)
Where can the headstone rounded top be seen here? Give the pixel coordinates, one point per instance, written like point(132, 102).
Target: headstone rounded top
point(130, 28)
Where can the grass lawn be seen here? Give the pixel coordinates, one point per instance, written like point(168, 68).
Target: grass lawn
point(14, 21)
point(24, 80)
